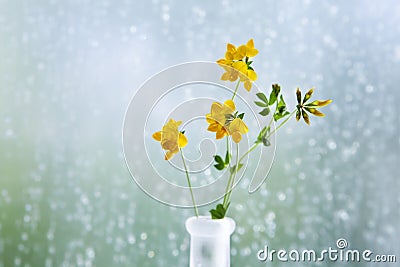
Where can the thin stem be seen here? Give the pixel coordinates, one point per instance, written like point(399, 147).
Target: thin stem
point(227, 150)
point(248, 151)
point(237, 87)
point(231, 181)
point(280, 125)
point(224, 203)
point(190, 185)
point(269, 135)
point(229, 166)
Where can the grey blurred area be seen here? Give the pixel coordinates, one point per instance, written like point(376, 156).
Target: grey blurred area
point(68, 70)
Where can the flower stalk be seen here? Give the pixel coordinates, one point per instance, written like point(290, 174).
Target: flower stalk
point(225, 121)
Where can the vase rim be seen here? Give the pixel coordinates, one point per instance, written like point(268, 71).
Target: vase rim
point(205, 226)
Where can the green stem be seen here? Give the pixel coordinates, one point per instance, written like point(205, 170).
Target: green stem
point(231, 181)
point(227, 150)
point(269, 135)
point(224, 203)
point(280, 125)
point(236, 89)
point(190, 185)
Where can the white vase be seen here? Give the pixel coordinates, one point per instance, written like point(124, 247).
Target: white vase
point(210, 241)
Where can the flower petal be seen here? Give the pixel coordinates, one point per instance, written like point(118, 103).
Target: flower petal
point(319, 103)
point(182, 141)
point(236, 137)
point(298, 94)
point(250, 43)
point(229, 103)
point(315, 112)
point(247, 85)
point(308, 95)
point(157, 136)
point(298, 114)
point(226, 76)
point(305, 117)
point(230, 47)
point(252, 75)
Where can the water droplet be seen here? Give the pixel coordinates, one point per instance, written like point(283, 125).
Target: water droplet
point(143, 236)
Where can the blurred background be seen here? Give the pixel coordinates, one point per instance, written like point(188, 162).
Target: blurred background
point(68, 70)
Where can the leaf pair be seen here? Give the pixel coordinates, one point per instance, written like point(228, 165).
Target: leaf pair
point(220, 163)
point(262, 136)
point(264, 104)
point(219, 212)
point(274, 97)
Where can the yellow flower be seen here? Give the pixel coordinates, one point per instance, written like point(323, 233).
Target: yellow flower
point(171, 138)
point(247, 74)
point(236, 129)
point(247, 50)
point(223, 122)
point(237, 64)
point(217, 117)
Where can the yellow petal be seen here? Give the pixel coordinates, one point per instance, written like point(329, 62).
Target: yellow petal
point(247, 85)
point(213, 127)
point(221, 61)
point(157, 136)
point(240, 53)
point(182, 141)
point(250, 43)
point(215, 108)
point(230, 47)
point(236, 137)
point(226, 76)
point(168, 155)
point(240, 66)
point(220, 133)
point(252, 75)
point(237, 125)
point(229, 55)
point(230, 104)
point(251, 52)
point(234, 76)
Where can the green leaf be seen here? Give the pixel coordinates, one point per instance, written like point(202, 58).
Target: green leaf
point(281, 104)
point(266, 141)
point(219, 166)
point(219, 212)
point(220, 163)
point(273, 97)
point(261, 104)
point(218, 159)
point(262, 134)
point(238, 169)
point(227, 158)
point(262, 97)
point(278, 116)
point(280, 111)
point(241, 116)
point(264, 112)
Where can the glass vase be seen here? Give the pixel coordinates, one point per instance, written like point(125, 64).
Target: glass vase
point(210, 241)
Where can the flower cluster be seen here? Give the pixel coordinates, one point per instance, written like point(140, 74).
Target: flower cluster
point(237, 64)
point(225, 121)
point(171, 138)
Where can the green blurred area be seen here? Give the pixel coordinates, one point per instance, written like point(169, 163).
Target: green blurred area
point(68, 71)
